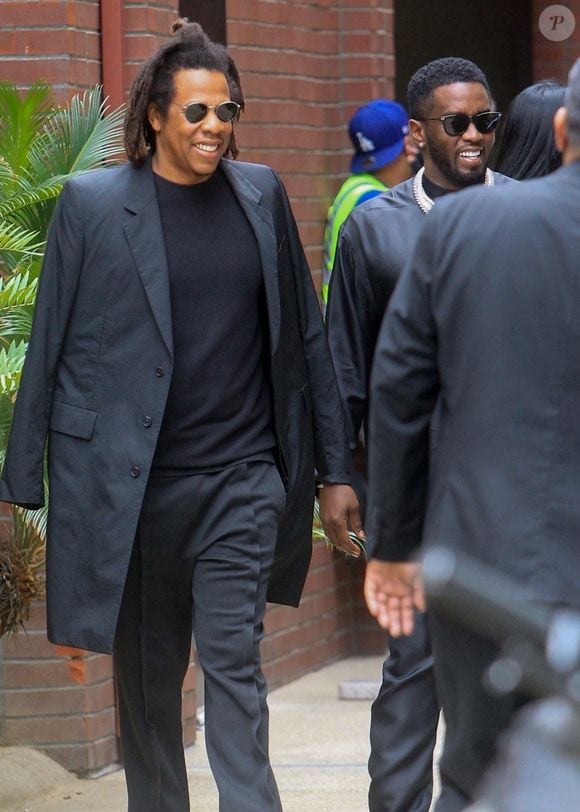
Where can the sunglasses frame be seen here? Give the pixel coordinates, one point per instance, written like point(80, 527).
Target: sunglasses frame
point(471, 120)
point(185, 107)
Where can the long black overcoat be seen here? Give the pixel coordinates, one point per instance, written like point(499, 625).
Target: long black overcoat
point(97, 375)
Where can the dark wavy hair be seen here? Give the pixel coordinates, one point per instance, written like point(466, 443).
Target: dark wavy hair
point(526, 147)
point(188, 48)
point(439, 72)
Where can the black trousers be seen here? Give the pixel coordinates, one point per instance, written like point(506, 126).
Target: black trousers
point(474, 719)
point(200, 563)
point(404, 719)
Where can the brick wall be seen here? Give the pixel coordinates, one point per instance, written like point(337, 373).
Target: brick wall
point(329, 624)
point(305, 68)
point(62, 700)
point(553, 60)
point(146, 26)
point(58, 42)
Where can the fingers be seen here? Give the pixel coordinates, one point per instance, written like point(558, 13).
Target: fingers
point(341, 541)
point(392, 591)
point(338, 507)
point(376, 602)
point(356, 522)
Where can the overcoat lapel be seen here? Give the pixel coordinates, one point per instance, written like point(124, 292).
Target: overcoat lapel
point(262, 223)
point(144, 234)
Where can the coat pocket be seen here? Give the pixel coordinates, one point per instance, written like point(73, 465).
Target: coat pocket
point(72, 420)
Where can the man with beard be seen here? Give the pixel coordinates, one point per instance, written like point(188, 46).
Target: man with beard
point(453, 123)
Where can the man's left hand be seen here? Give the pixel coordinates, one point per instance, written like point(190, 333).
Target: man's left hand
point(339, 511)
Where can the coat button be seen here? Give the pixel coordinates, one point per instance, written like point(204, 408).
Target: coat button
point(147, 421)
point(159, 372)
point(135, 471)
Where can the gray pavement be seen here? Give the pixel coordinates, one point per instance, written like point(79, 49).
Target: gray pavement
point(319, 750)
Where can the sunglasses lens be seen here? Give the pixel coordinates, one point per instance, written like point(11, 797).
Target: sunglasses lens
point(459, 123)
point(487, 122)
point(456, 124)
point(195, 111)
point(227, 111)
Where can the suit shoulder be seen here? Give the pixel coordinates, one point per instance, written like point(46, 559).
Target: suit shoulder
point(253, 172)
point(95, 180)
point(504, 209)
point(392, 208)
point(500, 179)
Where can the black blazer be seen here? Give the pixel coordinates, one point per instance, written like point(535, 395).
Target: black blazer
point(100, 360)
point(486, 317)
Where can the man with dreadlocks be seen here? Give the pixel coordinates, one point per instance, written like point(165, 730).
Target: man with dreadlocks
point(179, 366)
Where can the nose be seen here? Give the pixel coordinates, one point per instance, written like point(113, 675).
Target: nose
point(212, 122)
point(472, 133)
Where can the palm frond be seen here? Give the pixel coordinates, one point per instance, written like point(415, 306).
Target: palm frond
point(17, 297)
point(21, 117)
point(8, 176)
point(78, 138)
point(6, 410)
point(30, 531)
point(15, 323)
point(18, 290)
point(11, 363)
point(23, 198)
point(19, 240)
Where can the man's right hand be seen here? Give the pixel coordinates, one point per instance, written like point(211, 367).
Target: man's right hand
point(393, 590)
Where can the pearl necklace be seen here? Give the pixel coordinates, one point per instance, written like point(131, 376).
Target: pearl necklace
point(423, 200)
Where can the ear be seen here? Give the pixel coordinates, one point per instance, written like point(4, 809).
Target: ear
point(417, 132)
point(154, 118)
point(561, 129)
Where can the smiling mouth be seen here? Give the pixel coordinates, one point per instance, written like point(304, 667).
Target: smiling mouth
point(210, 149)
point(471, 154)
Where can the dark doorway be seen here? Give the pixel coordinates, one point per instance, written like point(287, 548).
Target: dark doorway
point(496, 35)
point(210, 14)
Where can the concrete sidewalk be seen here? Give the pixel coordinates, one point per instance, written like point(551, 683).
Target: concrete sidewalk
point(319, 750)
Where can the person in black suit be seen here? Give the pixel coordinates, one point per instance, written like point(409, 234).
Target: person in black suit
point(179, 367)
point(373, 247)
point(484, 323)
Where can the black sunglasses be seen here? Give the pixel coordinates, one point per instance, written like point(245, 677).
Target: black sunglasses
point(458, 123)
point(195, 112)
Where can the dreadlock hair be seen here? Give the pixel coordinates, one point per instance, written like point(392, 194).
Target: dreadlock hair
point(439, 72)
point(189, 48)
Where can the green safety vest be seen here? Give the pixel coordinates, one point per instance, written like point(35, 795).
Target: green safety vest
point(345, 201)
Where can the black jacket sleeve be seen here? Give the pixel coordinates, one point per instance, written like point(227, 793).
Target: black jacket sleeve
point(404, 391)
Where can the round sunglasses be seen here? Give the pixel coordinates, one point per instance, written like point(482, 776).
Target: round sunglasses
point(458, 123)
point(195, 112)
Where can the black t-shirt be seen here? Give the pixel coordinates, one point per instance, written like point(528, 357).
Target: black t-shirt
point(433, 190)
point(219, 406)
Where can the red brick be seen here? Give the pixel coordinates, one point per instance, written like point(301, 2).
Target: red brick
point(47, 13)
point(84, 759)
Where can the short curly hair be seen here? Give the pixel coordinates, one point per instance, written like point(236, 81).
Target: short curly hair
point(439, 72)
point(188, 48)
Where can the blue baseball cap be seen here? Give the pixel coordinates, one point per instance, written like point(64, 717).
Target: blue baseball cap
point(377, 131)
